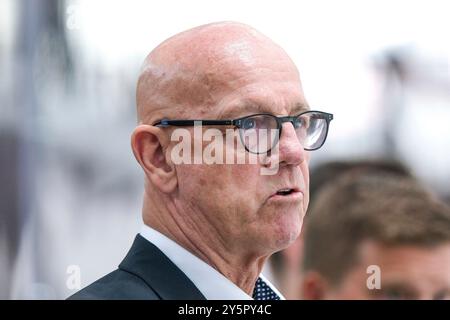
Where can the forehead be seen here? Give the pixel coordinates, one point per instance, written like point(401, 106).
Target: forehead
point(253, 106)
point(409, 262)
point(268, 86)
point(238, 80)
point(248, 91)
point(277, 98)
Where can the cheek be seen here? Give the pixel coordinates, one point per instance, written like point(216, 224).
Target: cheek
point(245, 186)
point(222, 187)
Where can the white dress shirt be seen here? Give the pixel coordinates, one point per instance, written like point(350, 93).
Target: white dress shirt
point(211, 283)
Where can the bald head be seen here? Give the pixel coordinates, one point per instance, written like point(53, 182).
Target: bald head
point(191, 72)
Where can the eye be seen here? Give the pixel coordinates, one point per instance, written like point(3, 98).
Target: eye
point(297, 123)
point(301, 122)
point(396, 294)
point(442, 295)
point(249, 123)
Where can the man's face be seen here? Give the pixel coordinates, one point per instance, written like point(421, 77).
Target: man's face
point(236, 200)
point(407, 272)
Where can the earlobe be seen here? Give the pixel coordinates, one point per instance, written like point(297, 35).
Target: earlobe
point(149, 144)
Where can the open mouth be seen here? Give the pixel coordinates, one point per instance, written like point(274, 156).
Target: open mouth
point(287, 195)
point(285, 192)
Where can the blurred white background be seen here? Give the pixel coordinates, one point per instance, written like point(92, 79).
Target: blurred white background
point(70, 187)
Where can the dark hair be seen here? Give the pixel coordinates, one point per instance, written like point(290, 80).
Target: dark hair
point(329, 171)
point(382, 207)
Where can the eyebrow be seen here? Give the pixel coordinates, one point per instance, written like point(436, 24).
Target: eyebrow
point(251, 107)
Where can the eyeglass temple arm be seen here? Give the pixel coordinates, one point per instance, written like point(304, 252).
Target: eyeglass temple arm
point(188, 123)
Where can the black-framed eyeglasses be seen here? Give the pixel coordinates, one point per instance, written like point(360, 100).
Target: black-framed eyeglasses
point(261, 132)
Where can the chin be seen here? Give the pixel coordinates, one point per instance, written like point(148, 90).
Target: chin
point(287, 229)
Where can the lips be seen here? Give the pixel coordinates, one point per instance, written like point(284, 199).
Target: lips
point(284, 192)
point(287, 193)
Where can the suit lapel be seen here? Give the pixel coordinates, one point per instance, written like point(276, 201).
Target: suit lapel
point(146, 261)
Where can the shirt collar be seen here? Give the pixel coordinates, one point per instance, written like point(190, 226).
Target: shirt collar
point(211, 283)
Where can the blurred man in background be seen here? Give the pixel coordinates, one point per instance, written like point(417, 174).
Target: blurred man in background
point(365, 228)
point(286, 264)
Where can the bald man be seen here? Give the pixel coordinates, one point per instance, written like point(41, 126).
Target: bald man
point(210, 226)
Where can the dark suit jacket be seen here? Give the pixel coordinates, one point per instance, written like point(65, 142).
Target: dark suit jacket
point(145, 273)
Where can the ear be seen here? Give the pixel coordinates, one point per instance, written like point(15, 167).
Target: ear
point(149, 144)
point(314, 286)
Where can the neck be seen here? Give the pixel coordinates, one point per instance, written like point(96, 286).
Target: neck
point(191, 229)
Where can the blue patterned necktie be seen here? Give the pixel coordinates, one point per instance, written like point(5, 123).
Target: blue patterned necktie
point(263, 292)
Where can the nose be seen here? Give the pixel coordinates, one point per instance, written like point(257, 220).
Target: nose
point(290, 150)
